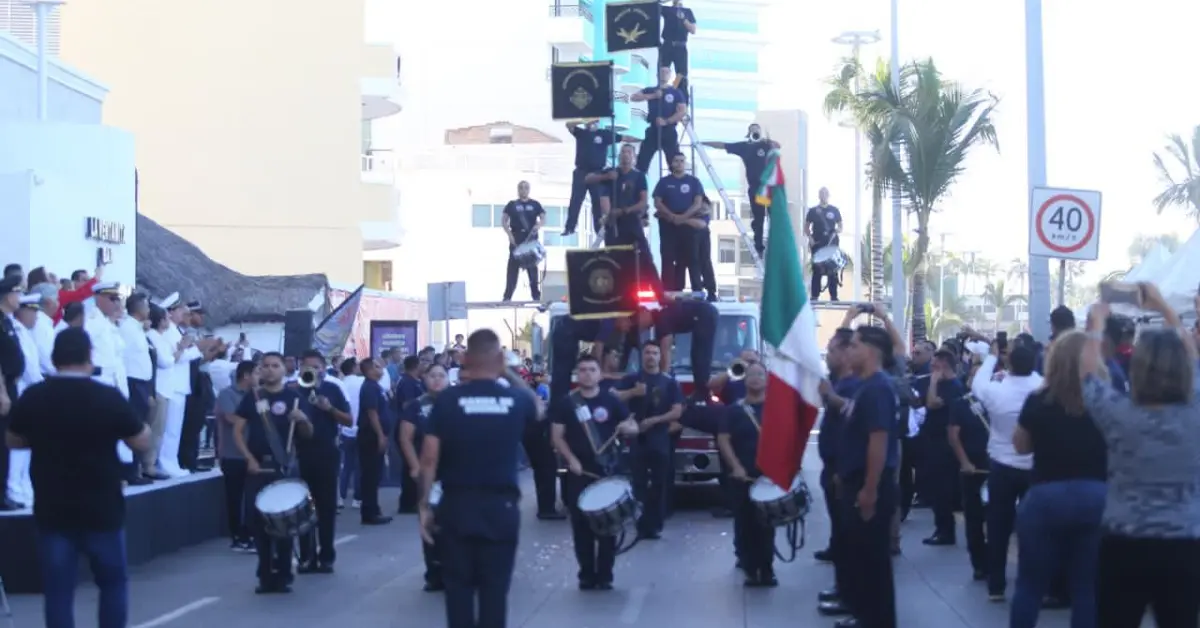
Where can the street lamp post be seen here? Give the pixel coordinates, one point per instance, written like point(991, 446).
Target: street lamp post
point(1035, 106)
point(856, 40)
point(899, 290)
point(42, 10)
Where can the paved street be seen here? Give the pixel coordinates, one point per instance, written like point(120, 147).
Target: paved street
point(685, 579)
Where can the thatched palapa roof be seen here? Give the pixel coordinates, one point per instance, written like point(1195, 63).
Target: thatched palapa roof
point(168, 263)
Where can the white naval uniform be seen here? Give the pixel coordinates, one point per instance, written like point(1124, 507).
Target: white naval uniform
point(19, 484)
point(175, 388)
point(108, 350)
point(43, 334)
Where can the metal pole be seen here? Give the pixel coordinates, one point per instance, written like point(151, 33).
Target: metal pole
point(899, 290)
point(42, 9)
point(446, 327)
point(1062, 282)
point(942, 277)
point(856, 40)
point(1035, 105)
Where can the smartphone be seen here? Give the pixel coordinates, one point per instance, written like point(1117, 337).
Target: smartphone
point(1117, 292)
point(1002, 340)
point(867, 308)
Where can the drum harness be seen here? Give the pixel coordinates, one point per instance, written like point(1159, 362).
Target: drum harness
point(288, 465)
point(794, 532)
point(589, 430)
point(532, 237)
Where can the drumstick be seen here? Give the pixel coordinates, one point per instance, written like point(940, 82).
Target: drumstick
point(292, 427)
point(592, 475)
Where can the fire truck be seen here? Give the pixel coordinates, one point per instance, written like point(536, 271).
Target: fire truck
point(696, 456)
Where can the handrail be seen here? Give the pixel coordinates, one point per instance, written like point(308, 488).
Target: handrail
point(572, 10)
point(747, 238)
point(620, 97)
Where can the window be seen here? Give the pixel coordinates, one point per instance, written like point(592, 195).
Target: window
point(377, 275)
point(747, 23)
point(728, 61)
point(727, 251)
point(500, 135)
point(729, 104)
point(554, 216)
point(497, 215)
point(744, 252)
point(727, 291)
point(554, 239)
point(481, 215)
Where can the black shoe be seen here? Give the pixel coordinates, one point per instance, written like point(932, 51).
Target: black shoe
point(649, 536)
point(767, 579)
point(825, 555)
point(376, 521)
point(138, 480)
point(325, 568)
point(752, 581)
point(433, 586)
point(848, 622)
point(604, 585)
point(979, 575)
point(722, 513)
point(567, 232)
point(586, 584)
point(406, 510)
point(995, 596)
point(551, 516)
point(306, 568)
point(938, 540)
point(834, 608)
point(829, 595)
point(8, 504)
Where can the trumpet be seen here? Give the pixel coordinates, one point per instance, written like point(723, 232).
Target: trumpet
point(737, 370)
point(309, 378)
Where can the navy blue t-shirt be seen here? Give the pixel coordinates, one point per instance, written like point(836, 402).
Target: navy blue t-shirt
point(743, 434)
point(479, 425)
point(417, 412)
point(663, 107)
point(754, 158)
point(588, 425)
point(662, 392)
point(679, 317)
point(876, 408)
point(936, 421)
point(522, 216)
point(678, 193)
point(833, 423)
point(372, 397)
point(673, 29)
point(973, 431)
point(591, 148)
point(324, 441)
point(407, 388)
point(824, 222)
point(629, 188)
point(733, 392)
point(279, 405)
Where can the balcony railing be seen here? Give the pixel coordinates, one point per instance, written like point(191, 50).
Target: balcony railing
point(638, 113)
point(572, 10)
point(620, 97)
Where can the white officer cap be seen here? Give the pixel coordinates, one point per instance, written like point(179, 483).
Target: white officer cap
point(169, 302)
point(32, 301)
point(107, 287)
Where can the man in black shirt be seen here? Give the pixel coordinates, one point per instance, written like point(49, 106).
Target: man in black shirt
point(72, 424)
point(968, 432)
point(320, 461)
point(591, 156)
point(753, 153)
point(822, 224)
point(657, 402)
point(260, 431)
point(521, 220)
point(585, 424)
point(944, 390)
point(623, 204)
point(678, 23)
point(12, 364)
point(666, 107)
point(408, 387)
point(375, 422)
point(473, 449)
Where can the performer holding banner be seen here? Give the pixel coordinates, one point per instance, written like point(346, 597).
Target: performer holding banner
point(623, 204)
point(753, 152)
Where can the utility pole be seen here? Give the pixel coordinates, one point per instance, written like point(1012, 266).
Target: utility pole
point(42, 10)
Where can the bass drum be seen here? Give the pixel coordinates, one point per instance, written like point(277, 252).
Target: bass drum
point(529, 254)
point(829, 259)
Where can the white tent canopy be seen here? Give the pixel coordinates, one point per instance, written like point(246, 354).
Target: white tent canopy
point(1157, 259)
point(1179, 278)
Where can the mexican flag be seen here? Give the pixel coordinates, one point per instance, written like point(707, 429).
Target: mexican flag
point(789, 330)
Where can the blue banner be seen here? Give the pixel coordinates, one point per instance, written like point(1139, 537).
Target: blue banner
point(333, 333)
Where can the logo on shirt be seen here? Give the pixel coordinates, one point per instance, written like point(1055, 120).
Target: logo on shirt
point(670, 98)
point(829, 215)
point(598, 140)
point(485, 405)
point(279, 408)
point(425, 410)
point(685, 188)
point(600, 414)
point(762, 153)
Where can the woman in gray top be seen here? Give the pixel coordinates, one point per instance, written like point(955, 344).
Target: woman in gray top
point(1150, 552)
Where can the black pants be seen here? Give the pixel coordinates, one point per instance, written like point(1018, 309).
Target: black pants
point(1163, 574)
point(476, 571)
point(974, 517)
point(595, 554)
point(320, 472)
point(1006, 486)
point(274, 554)
point(189, 437)
point(943, 487)
point(753, 537)
point(652, 475)
point(647, 273)
point(872, 590)
point(830, 278)
point(664, 138)
point(544, 465)
point(701, 273)
point(578, 190)
point(370, 464)
point(758, 213)
point(4, 456)
point(674, 54)
point(433, 562)
point(837, 530)
point(679, 250)
point(408, 501)
point(233, 472)
point(910, 460)
point(510, 279)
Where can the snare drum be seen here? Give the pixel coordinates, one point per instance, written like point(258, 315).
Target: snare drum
point(608, 506)
point(776, 506)
point(529, 254)
point(287, 508)
point(830, 259)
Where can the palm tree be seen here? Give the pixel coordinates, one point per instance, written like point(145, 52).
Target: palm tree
point(1183, 191)
point(995, 296)
point(1143, 244)
point(1018, 269)
point(885, 262)
point(936, 123)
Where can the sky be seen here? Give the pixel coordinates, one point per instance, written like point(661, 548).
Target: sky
point(1116, 86)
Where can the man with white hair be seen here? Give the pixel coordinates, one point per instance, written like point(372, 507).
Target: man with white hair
point(176, 391)
point(108, 349)
point(43, 328)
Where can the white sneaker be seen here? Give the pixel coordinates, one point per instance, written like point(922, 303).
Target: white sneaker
point(356, 504)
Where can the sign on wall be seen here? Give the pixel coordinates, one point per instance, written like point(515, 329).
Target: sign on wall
point(387, 335)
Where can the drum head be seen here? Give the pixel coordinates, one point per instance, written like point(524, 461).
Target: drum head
point(603, 494)
point(280, 496)
point(764, 490)
point(825, 254)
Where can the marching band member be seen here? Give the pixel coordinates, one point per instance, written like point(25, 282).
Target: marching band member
point(375, 422)
point(684, 316)
point(678, 23)
point(822, 224)
point(522, 219)
point(738, 441)
point(968, 436)
point(666, 106)
point(623, 203)
point(261, 425)
point(657, 403)
point(327, 410)
point(938, 456)
point(591, 156)
point(584, 430)
point(473, 448)
point(678, 198)
point(837, 393)
point(414, 424)
point(753, 153)
point(409, 387)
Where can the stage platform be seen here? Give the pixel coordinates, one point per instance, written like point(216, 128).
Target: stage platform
point(160, 518)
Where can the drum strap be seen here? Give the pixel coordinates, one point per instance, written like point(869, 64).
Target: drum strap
point(525, 226)
point(282, 456)
point(753, 419)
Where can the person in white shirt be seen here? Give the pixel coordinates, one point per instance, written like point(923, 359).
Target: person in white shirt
point(100, 318)
point(20, 486)
point(352, 382)
point(181, 350)
point(43, 329)
point(1008, 473)
point(164, 366)
point(139, 372)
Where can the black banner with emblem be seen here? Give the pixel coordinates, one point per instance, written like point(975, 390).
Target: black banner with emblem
point(581, 90)
point(602, 283)
point(632, 25)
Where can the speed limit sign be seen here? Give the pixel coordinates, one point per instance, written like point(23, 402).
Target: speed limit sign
point(1064, 224)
